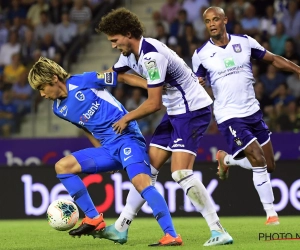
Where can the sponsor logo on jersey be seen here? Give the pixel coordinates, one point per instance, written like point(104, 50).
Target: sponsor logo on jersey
point(152, 70)
point(91, 111)
point(237, 48)
point(213, 54)
point(79, 96)
point(229, 62)
point(64, 110)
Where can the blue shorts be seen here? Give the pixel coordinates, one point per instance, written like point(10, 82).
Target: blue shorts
point(182, 132)
point(115, 156)
point(240, 132)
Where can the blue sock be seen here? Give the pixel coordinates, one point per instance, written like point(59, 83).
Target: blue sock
point(160, 209)
point(79, 193)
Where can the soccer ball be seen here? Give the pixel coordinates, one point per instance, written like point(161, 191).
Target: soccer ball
point(62, 214)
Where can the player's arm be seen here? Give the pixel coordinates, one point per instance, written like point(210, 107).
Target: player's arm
point(151, 105)
point(109, 70)
point(281, 63)
point(92, 139)
point(132, 80)
point(155, 67)
point(198, 69)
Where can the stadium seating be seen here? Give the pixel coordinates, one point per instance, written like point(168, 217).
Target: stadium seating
point(97, 56)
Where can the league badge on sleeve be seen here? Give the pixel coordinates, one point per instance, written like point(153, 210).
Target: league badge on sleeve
point(237, 48)
point(152, 69)
point(100, 75)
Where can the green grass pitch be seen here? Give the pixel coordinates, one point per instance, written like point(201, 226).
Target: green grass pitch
point(38, 235)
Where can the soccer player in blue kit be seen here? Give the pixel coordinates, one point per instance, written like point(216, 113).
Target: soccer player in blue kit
point(84, 101)
point(170, 82)
point(224, 60)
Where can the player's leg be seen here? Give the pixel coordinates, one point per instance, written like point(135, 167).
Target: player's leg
point(269, 156)
point(118, 232)
point(134, 201)
point(226, 160)
point(158, 154)
point(182, 173)
point(139, 174)
point(83, 161)
point(245, 137)
point(261, 181)
point(229, 130)
point(184, 144)
point(135, 160)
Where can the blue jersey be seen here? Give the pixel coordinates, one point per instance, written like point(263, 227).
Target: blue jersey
point(89, 105)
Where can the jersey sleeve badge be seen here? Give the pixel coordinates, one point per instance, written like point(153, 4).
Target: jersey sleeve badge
point(152, 70)
point(100, 75)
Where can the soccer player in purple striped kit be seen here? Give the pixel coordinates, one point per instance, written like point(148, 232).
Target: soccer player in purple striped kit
point(170, 83)
point(224, 62)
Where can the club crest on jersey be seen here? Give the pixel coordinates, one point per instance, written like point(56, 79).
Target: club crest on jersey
point(237, 48)
point(152, 69)
point(80, 96)
point(238, 141)
point(127, 151)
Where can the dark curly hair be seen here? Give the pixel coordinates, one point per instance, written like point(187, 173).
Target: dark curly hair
point(121, 21)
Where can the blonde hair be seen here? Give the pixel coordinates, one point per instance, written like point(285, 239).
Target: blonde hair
point(43, 71)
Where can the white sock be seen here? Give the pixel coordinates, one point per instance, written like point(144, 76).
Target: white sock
point(154, 173)
point(244, 163)
point(199, 197)
point(134, 202)
point(263, 186)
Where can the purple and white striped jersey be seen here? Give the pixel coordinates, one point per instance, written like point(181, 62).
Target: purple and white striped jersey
point(229, 72)
point(162, 66)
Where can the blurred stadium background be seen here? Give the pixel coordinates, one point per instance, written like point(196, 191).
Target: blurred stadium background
point(32, 139)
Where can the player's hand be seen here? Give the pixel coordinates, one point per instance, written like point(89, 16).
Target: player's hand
point(120, 125)
point(202, 81)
